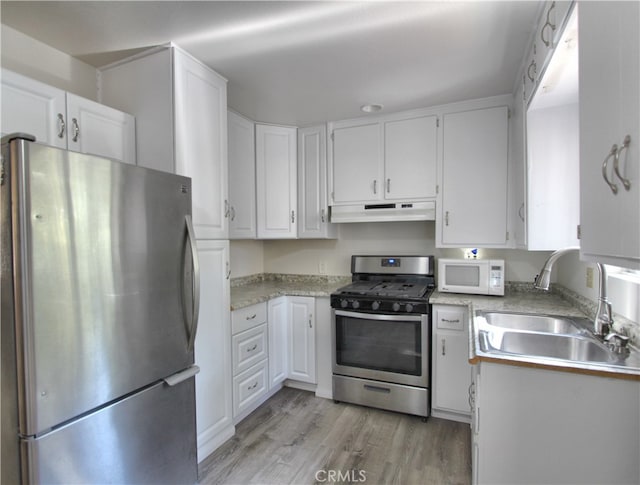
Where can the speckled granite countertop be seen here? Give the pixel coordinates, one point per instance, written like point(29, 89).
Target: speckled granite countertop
point(521, 298)
point(513, 301)
point(254, 289)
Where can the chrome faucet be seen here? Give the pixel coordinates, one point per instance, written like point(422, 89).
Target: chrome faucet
point(603, 320)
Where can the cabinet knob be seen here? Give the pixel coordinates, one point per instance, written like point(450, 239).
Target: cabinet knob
point(293, 217)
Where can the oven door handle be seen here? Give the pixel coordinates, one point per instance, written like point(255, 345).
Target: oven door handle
point(377, 316)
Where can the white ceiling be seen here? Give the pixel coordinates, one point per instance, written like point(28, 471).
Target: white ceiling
point(299, 62)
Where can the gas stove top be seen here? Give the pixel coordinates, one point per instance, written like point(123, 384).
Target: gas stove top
point(385, 284)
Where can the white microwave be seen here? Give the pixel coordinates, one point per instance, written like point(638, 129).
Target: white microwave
point(472, 276)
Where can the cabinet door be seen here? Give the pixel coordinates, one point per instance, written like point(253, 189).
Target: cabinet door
point(609, 100)
point(35, 108)
point(474, 193)
point(100, 130)
point(213, 349)
point(278, 341)
point(302, 342)
point(201, 143)
point(276, 181)
point(313, 210)
point(357, 163)
point(452, 372)
point(517, 169)
point(410, 150)
point(242, 177)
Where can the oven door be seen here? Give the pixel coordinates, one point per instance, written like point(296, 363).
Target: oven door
point(389, 348)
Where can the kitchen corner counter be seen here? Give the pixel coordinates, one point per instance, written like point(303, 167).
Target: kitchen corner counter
point(514, 300)
point(523, 298)
point(255, 289)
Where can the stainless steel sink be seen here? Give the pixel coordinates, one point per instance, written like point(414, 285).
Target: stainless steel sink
point(532, 323)
point(556, 346)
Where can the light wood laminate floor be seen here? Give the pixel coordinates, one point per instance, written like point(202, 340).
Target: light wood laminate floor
point(298, 438)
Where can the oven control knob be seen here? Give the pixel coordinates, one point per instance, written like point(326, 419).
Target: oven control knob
point(356, 304)
point(396, 307)
point(344, 303)
point(409, 308)
point(375, 305)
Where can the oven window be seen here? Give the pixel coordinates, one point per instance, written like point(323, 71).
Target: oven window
point(379, 345)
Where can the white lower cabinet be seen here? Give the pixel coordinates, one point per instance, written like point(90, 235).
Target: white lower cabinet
point(212, 349)
point(451, 371)
point(250, 357)
point(302, 341)
point(542, 426)
point(249, 386)
point(278, 341)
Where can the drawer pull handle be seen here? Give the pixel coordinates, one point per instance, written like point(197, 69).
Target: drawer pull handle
point(255, 384)
point(255, 346)
point(384, 390)
point(252, 316)
point(457, 320)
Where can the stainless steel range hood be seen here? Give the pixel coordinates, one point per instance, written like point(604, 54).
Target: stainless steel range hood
point(385, 212)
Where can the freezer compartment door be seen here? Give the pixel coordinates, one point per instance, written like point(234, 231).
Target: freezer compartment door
point(104, 280)
point(148, 437)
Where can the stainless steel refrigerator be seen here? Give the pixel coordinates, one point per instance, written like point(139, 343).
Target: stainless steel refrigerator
point(99, 313)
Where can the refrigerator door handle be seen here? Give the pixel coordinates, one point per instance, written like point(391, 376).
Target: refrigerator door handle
point(178, 377)
point(195, 302)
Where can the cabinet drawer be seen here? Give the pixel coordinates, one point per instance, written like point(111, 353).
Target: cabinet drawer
point(248, 348)
point(249, 386)
point(451, 319)
point(249, 317)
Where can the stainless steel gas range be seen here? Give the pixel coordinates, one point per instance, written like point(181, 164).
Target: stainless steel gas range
point(381, 331)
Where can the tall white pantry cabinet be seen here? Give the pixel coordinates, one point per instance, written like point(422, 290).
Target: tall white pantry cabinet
point(181, 112)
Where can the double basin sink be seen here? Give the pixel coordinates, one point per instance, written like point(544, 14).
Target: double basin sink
point(541, 336)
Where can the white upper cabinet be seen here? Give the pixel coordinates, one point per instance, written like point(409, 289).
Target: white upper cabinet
point(100, 130)
point(356, 174)
point(64, 120)
point(201, 142)
point(276, 180)
point(386, 159)
point(410, 156)
point(313, 209)
point(242, 177)
point(473, 211)
point(545, 161)
point(181, 112)
point(609, 161)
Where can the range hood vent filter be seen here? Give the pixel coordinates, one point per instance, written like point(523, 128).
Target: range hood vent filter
point(387, 212)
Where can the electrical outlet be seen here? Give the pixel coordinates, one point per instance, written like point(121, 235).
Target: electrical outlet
point(322, 267)
point(589, 277)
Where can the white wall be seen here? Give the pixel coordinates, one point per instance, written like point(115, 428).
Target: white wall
point(398, 238)
point(623, 294)
point(30, 57)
